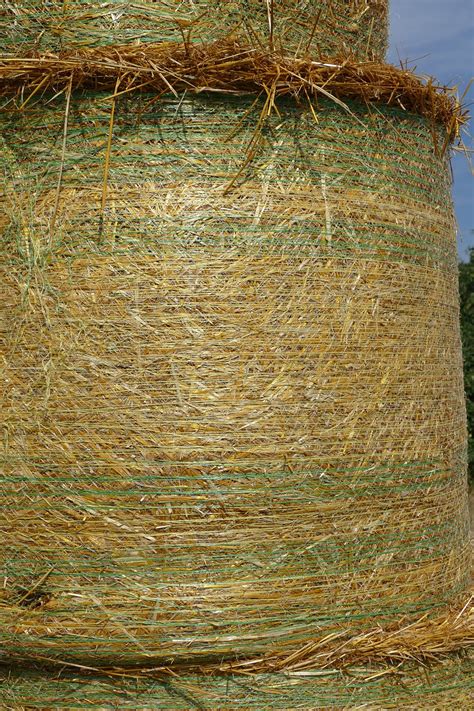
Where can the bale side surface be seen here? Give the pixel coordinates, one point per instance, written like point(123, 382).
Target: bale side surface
point(316, 27)
point(234, 421)
point(433, 688)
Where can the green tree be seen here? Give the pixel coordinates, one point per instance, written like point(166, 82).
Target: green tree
point(466, 290)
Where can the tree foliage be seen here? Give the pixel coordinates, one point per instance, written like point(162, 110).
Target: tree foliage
point(466, 289)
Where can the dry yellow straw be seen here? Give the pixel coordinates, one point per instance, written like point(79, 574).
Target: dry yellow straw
point(235, 418)
point(234, 447)
point(301, 27)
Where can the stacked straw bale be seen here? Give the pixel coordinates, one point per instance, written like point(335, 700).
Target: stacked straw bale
point(233, 424)
point(315, 27)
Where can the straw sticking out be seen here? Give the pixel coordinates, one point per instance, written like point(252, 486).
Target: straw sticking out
point(231, 68)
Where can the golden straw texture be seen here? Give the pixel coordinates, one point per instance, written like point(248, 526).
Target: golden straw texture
point(316, 27)
point(447, 685)
point(233, 421)
point(230, 67)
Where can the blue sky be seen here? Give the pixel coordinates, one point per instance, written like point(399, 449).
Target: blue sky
point(437, 37)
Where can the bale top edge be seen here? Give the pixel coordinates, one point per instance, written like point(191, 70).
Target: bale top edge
point(230, 67)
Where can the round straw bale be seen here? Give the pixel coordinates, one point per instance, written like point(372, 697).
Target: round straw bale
point(233, 420)
point(315, 27)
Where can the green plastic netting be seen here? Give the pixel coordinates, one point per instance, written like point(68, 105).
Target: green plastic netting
point(234, 421)
point(315, 27)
